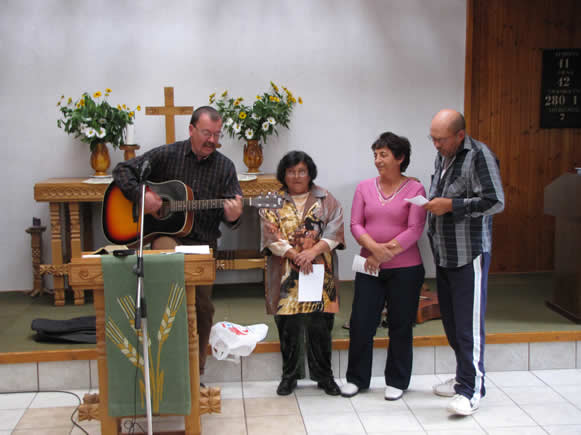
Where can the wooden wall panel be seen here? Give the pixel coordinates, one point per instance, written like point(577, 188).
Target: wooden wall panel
point(504, 44)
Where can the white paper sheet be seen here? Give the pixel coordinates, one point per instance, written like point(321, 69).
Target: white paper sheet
point(418, 200)
point(311, 285)
point(193, 249)
point(359, 266)
point(107, 179)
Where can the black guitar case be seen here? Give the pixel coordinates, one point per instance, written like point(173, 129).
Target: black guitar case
point(76, 330)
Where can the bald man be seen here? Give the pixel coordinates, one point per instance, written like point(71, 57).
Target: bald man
point(466, 192)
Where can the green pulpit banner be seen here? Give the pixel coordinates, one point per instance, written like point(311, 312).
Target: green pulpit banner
point(167, 325)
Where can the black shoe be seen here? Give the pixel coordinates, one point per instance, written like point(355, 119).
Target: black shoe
point(330, 387)
point(286, 387)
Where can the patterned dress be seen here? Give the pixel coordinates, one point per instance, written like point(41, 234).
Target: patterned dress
point(322, 218)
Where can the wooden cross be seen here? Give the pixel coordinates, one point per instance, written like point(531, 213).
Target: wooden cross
point(169, 111)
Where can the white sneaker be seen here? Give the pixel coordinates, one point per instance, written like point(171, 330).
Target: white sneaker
point(445, 389)
point(460, 405)
point(392, 393)
point(349, 390)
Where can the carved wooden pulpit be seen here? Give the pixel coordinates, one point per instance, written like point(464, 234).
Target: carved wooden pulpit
point(86, 273)
point(563, 200)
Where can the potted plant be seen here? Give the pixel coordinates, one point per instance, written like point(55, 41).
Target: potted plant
point(94, 121)
point(255, 123)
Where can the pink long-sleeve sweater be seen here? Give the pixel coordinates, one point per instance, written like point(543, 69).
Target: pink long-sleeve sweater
point(389, 219)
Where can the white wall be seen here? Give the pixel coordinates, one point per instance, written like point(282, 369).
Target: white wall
point(362, 67)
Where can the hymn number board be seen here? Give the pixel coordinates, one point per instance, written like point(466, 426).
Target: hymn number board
point(561, 89)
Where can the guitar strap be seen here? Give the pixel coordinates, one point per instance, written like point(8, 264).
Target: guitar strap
point(135, 211)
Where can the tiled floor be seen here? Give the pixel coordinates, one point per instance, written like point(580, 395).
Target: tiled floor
point(523, 402)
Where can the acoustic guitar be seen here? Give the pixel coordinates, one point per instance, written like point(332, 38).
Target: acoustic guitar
point(175, 217)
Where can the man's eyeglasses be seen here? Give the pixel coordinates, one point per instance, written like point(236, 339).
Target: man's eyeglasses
point(441, 139)
point(300, 173)
point(208, 133)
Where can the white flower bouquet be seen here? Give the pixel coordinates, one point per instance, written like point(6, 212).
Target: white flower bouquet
point(94, 120)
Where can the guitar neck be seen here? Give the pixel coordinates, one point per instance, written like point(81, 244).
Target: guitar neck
point(202, 204)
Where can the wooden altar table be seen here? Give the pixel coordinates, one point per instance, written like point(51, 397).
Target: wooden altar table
point(86, 273)
point(73, 196)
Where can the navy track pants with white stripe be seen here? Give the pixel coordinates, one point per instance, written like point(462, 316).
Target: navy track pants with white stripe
point(462, 296)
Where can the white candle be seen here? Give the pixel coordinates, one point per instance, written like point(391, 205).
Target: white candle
point(130, 134)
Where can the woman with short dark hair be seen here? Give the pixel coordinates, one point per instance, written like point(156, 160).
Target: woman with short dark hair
point(306, 231)
point(387, 227)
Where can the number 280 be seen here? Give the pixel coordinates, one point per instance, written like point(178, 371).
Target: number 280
point(555, 100)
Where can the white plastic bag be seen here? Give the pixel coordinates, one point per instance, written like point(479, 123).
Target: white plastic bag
point(230, 341)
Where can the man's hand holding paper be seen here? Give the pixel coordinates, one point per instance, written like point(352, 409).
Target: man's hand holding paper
point(419, 200)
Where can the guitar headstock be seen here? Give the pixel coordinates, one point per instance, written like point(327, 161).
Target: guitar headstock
point(269, 200)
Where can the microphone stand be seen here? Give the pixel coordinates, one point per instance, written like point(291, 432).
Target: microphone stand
point(141, 308)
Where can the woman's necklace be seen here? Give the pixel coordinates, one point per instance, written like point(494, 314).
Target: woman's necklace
point(383, 199)
point(300, 200)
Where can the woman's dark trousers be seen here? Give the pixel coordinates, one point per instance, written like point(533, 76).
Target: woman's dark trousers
point(399, 290)
point(314, 328)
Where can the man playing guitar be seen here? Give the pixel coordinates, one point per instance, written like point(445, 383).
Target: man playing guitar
point(197, 164)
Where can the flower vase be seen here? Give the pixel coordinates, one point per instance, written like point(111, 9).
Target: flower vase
point(100, 160)
point(253, 156)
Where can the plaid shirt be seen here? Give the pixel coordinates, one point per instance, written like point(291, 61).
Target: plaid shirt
point(211, 178)
point(473, 182)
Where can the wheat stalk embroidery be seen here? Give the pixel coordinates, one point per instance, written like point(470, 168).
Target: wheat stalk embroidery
point(114, 334)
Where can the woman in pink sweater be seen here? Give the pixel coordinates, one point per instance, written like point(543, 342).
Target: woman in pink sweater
point(387, 227)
